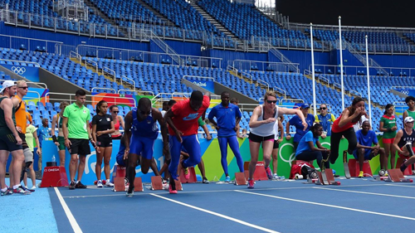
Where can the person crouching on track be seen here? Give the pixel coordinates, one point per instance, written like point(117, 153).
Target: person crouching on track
point(404, 142)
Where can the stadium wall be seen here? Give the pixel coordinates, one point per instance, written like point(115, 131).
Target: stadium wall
point(302, 57)
point(406, 61)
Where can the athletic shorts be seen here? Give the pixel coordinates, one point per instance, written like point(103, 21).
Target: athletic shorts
point(368, 154)
point(24, 143)
point(142, 146)
point(104, 142)
point(79, 147)
point(388, 140)
point(116, 137)
point(120, 160)
point(276, 144)
point(259, 139)
point(61, 141)
point(8, 142)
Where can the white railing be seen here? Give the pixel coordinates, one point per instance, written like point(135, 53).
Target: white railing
point(128, 79)
point(91, 63)
point(280, 90)
point(35, 92)
point(71, 98)
point(360, 70)
point(109, 71)
point(30, 44)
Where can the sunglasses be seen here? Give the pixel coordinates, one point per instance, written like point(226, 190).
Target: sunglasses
point(323, 108)
point(271, 101)
point(115, 111)
point(24, 88)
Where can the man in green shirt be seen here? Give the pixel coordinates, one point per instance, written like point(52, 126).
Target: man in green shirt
point(77, 136)
point(410, 101)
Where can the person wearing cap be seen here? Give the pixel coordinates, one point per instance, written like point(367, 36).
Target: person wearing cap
point(368, 147)
point(325, 119)
point(404, 142)
point(410, 102)
point(299, 127)
point(10, 141)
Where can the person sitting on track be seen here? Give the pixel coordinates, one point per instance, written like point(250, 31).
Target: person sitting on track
point(404, 143)
point(141, 123)
point(309, 148)
point(365, 151)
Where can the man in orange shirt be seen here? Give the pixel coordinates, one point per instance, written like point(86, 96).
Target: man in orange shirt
point(21, 120)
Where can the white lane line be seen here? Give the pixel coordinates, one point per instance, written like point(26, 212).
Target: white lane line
point(68, 213)
point(327, 205)
point(368, 193)
point(402, 185)
point(216, 214)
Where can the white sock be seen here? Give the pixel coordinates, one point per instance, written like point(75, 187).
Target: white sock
point(4, 190)
point(76, 182)
point(15, 186)
point(275, 174)
point(108, 181)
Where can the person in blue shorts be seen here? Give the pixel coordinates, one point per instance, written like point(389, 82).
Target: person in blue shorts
point(365, 151)
point(227, 116)
point(297, 123)
point(142, 131)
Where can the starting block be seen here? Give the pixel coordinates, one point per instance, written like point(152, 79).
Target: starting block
point(395, 175)
point(240, 178)
point(192, 178)
point(259, 173)
point(156, 183)
point(54, 177)
point(119, 185)
point(326, 177)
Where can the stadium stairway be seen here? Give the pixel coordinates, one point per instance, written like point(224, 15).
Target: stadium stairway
point(216, 23)
point(165, 20)
point(104, 16)
point(338, 89)
point(98, 71)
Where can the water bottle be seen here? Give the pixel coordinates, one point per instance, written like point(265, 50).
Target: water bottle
point(53, 159)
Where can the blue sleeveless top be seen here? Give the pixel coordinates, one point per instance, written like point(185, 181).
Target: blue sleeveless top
point(147, 128)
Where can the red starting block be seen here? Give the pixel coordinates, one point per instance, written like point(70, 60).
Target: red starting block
point(54, 177)
point(119, 185)
point(192, 177)
point(329, 176)
point(156, 183)
point(355, 169)
point(240, 178)
point(395, 175)
point(259, 173)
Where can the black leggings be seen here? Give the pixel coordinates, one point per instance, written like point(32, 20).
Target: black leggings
point(312, 155)
point(335, 138)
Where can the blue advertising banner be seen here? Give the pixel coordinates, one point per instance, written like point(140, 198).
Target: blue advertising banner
point(208, 85)
point(406, 91)
point(30, 73)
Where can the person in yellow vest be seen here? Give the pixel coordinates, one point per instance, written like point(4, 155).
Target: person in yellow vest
point(31, 135)
point(60, 140)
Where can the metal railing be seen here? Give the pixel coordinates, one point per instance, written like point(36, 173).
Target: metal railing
point(361, 70)
point(60, 97)
point(128, 79)
point(103, 88)
point(252, 65)
point(280, 90)
point(31, 44)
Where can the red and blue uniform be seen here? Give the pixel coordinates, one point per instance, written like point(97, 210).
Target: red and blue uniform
point(186, 121)
point(144, 133)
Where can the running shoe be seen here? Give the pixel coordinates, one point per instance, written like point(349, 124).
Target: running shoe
point(186, 173)
point(276, 177)
point(205, 180)
point(403, 166)
point(7, 192)
point(228, 179)
point(172, 187)
point(22, 191)
point(79, 185)
point(251, 184)
point(269, 173)
point(360, 174)
point(130, 194)
point(32, 189)
point(109, 184)
point(99, 184)
point(72, 185)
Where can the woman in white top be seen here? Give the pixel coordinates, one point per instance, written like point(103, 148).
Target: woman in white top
point(262, 131)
